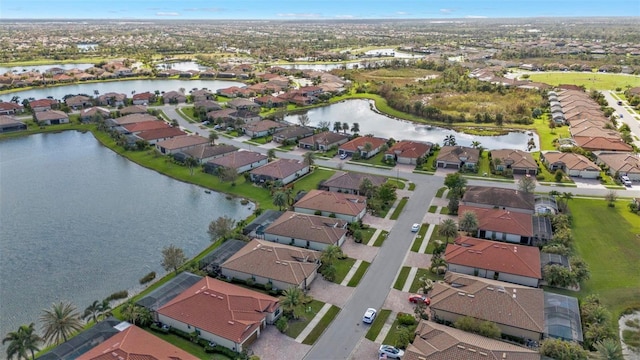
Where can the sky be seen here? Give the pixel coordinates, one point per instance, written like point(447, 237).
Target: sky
point(311, 9)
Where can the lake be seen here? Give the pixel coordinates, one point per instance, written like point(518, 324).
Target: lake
point(42, 68)
point(80, 222)
point(125, 86)
point(370, 122)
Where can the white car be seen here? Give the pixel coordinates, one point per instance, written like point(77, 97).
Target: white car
point(343, 156)
point(415, 227)
point(625, 180)
point(369, 315)
point(390, 351)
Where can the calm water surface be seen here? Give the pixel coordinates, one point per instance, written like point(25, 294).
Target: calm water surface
point(79, 222)
point(42, 68)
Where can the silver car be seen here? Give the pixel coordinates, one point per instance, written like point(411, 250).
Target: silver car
point(390, 352)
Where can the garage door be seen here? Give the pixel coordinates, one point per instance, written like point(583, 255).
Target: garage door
point(250, 339)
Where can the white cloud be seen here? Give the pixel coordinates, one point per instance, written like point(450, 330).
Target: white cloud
point(475, 17)
point(446, 11)
point(213, 9)
point(167, 13)
point(402, 13)
point(345, 17)
point(299, 15)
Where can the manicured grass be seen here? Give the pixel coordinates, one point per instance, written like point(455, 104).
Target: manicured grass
point(374, 160)
point(392, 336)
point(322, 325)
point(367, 234)
point(296, 326)
point(311, 181)
point(381, 238)
point(434, 236)
point(444, 210)
point(342, 268)
point(441, 191)
point(402, 278)
point(419, 238)
point(432, 209)
point(82, 60)
point(607, 239)
point(399, 208)
point(186, 345)
point(362, 269)
point(599, 81)
point(286, 147)
point(547, 134)
point(415, 285)
point(34, 129)
point(399, 184)
point(377, 325)
point(412, 186)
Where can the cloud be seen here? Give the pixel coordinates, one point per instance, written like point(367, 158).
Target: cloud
point(167, 13)
point(475, 17)
point(345, 17)
point(446, 11)
point(212, 9)
point(402, 13)
point(299, 15)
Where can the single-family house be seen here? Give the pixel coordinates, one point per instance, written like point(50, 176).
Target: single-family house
point(78, 102)
point(457, 157)
point(202, 95)
point(349, 182)
point(265, 262)
point(408, 152)
point(133, 109)
point(94, 113)
point(359, 145)
point(144, 98)
point(601, 143)
point(518, 161)
point(569, 163)
point(262, 128)
point(292, 133)
point(270, 101)
point(111, 99)
point(206, 152)
point(223, 313)
point(42, 104)
point(180, 143)
point(620, 164)
point(323, 141)
point(348, 207)
point(517, 310)
point(133, 343)
point(9, 123)
point(51, 117)
point(493, 260)
point(490, 197)
point(222, 115)
point(501, 225)
point(159, 134)
point(9, 108)
point(139, 127)
point(206, 105)
point(131, 119)
point(241, 161)
point(173, 97)
point(284, 170)
point(435, 341)
point(307, 231)
point(310, 91)
point(243, 104)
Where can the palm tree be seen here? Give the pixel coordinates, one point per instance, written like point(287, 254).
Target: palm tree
point(135, 314)
point(337, 126)
point(450, 140)
point(436, 263)
point(293, 302)
point(609, 349)
point(92, 312)
point(475, 144)
point(21, 341)
point(280, 199)
point(345, 127)
point(367, 148)
point(191, 163)
point(355, 128)
point(60, 321)
point(271, 154)
point(448, 228)
point(308, 158)
point(469, 222)
point(331, 254)
point(213, 137)
point(566, 196)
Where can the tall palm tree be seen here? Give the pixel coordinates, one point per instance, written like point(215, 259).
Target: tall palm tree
point(450, 140)
point(22, 341)
point(293, 302)
point(280, 199)
point(309, 157)
point(345, 127)
point(92, 312)
point(355, 128)
point(330, 254)
point(60, 321)
point(337, 126)
point(475, 144)
point(448, 228)
point(469, 222)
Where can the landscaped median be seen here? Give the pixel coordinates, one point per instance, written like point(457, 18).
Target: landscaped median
point(357, 276)
point(382, 236)
point(377, 325)
point(399, 208)
point(419, 237)
point(322, 325)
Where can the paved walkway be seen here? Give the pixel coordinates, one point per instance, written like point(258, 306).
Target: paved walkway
point(271, 342)
point(374, 237)
point(351, 272)
point(409, 280)
point(312, 324)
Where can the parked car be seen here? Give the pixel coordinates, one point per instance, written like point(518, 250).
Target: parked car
point(619, 102)
point(419, 298)
point(625, 180)
point(390, 351)
point(369, 315)
point(415, 227)
point(343, 156)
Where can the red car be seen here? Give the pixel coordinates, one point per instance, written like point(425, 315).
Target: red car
point(419, 298)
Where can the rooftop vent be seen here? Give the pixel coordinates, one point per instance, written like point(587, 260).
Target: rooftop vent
point(489, 288)
point(461, 293)
point(230, 322)
point(206, 293)
point(471, 295)
point(472, 350)
point(220, 297)
point(460, 347)
point(482, 353)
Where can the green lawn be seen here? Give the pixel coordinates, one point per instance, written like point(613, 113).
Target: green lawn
point(399, 208)
point(186, 345)
point(382, 236)
point(399, 184)
point(599, 81)
point(420, 237)
point(296, 326)
point(434, 237)
point(608, 240)
point(367, 234)
point(402, 278)
point(342, 268)
point(322, 325)
point(432, 209)
point(362, 269)
point(415, 285)
point(374, 160)
point(377, 325)
point(546, 174)
point(412, 186)
point(392, 336)
point(441, 191)
point(547, 134)
point(311, 181)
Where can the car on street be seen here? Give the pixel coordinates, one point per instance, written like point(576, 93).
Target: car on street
point(619, 102)
point(390, 352)
point(419, 299)
point(343, 156)
point(369, 315)
point(625, 180)
point(415, 227)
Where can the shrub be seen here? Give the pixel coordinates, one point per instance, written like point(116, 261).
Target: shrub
point(157, 328)
point(282, 324)
point(560, 349)
point(406, 319)
point(147, 278)
point(357, 236)
point(118, 295)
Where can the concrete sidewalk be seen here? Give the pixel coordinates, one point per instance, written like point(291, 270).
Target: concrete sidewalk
point(312, 324)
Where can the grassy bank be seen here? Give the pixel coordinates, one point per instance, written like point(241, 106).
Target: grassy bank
point(599, 81)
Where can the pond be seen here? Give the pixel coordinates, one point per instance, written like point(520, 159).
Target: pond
point(182, 66)
point(80, 222)
point(370, 122)
point(42, 68)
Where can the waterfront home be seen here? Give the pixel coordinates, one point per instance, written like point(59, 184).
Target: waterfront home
point(518, 161)
point(9, 108)
point(323, 141)
point(359, 144)
point(435, 341)
point(571, 164)
point(139, 127)
point(173, 97)
point(206, 152)
point(111, 99)
point(490, 197)
point(42, 104)
point(133, 343)
point(292, 133)
point(86, 340)
point(283, 170)
point(144, 98)
point(78, 102)
point(349, 182)
point(562, 318)
point(620, 163)
point(517, 310)
point(270, 101)
point(180, 143)
point(51, 117)
point(457, 157)
point(501, 225)
point(10, 123)
point(133, 109)
point(281, 266)
point(408, 152)
point(94, 113)
point(159, 135)
point(131, 119)
point(494, 260)
point(261, 128)
point(241, 161)
point(226, 314)
point(202, 95)
point(326, 203)
point(243, 104)
point(307, 231)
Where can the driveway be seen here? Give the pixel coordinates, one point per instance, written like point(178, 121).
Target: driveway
point(329, 292)
point(271, 344)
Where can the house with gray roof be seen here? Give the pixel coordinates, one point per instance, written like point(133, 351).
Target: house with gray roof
point(307, 231)
point(284, 170)
point(292, 133)
point(206, 152)
point(349, 182)
point(241, 161)
point(489, 197)
point(9, 123)
point(457, 157)
point(323, 141)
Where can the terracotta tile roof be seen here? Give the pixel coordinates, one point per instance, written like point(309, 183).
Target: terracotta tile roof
point(320, 229)
point(144, 96)
point(221, 308)
point(333, 202)
point(160, 133)
point(288, 264)
point(601, 143)
point(134, 343)
point(146, 126)
point(42, 103)
point(571, 161)
point(359, 142)
point(292, 132)
point(593, 131)
point(324, 138)
point(440, 342)
point(224, 113)
point(133, 109)
point(518, 159)
point(588, 122)
point(499, 302)
point(180, 142)
point(496, 256)
point(409, 149)
point(352, 180)
point(134, 118)
point(50, 115)
point(452, 154)
point(500, 197)
point(280, 168)
point(262, 125)
point(504, 221)
point(9, 106)
point(620, 162)
point(94, 110)
point(238, 159)
point(207, 150)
